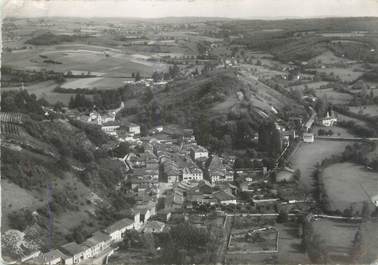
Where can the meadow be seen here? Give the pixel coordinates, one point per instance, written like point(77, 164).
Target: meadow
point(368, 110)
point(348, 184)
point(337, 236)
point(307, 156)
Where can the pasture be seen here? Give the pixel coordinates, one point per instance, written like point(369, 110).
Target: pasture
point(342, 117)
point(348, 184)
point(337, 131)
point(306, 156)
point(368, 110)
point(312, 85)
point(329, 58)
point(345, 74)
point(44, 90)
point(337, 235)
point(333, 96)
point(82, 57)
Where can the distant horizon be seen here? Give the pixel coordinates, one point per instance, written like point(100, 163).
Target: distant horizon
point(197, 17)
point(155, 9)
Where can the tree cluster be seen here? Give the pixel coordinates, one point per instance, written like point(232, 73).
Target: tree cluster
point(270, 138)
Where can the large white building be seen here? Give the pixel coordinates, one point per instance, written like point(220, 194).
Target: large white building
point(133, 128)
point(308, 137)
point(192, 173)
point(198, 151)
point(110, 127)
point(329, 120)
point(117, 230)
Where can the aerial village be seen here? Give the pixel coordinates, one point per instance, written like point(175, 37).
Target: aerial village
point(186, 180)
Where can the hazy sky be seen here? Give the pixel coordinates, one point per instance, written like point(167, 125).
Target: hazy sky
point(209, 8)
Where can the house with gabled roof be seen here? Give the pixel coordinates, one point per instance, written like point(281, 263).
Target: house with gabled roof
point(76, 251)
point(117, 230)
point(154, 227)
point(53, 257)
point(224, 198)
point(98, 242)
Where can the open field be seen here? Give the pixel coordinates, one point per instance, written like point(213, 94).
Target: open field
point(338, 236)
point(368, 110)
point(312, 85)
point(81, 83)
point(45, 90)
point(345, 74)
point(342, 117)
point(333, 96)
point(81, 57)
point(308, 155)
point(329, 58)
point(337, 131)
point(369, 232)
point(348, 184)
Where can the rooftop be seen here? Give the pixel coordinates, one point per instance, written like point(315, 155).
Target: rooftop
point(72, 248)
point(119, 225)
point(223, 196)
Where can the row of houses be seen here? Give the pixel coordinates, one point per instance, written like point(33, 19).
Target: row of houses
point(101, 242)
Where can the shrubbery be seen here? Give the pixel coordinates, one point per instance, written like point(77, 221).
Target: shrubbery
point(21, 219)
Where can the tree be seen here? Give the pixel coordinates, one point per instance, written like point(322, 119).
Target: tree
point(283, 216)
point(297, 175)
point(270, 138)
point(365, 212)
point(156, 76)
point(122, 149)
point(137, 77)
point(21, 219)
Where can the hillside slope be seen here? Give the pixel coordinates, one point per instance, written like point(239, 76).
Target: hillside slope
point(224, 106)
point(61, 162)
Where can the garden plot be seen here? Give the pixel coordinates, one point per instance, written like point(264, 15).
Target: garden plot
point(263, 250)
point(258, 240)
